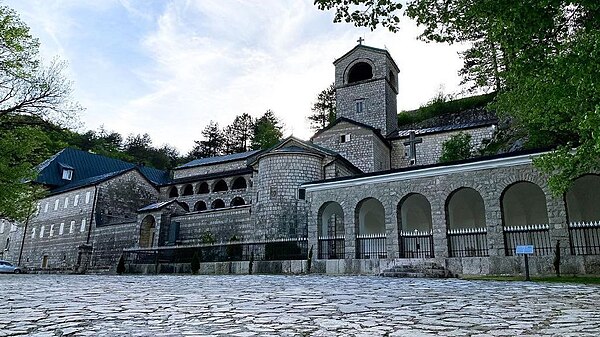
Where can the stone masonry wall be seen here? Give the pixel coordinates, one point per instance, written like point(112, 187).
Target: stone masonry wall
point(489, 183)
point(220, 224)
point(109, 242)
point(11, 234)
point(430, 150)
point(208, 169)
point(70, 211)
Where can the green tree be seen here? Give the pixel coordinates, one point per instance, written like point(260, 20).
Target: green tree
point(238, 135)
point(457, 147)
point(323, 109)
point(212, 145)
point(267, 131)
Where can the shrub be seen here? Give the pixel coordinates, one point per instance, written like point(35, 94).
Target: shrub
point(457, 147)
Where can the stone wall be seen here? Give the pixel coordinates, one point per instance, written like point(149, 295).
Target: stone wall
point(108, 243)
point(430, 150)
point(220, 224)
point(208, 169)
point(11, 234)
point(488, 181)
point(208, 198)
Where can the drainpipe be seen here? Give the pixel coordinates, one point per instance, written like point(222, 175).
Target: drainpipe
point(24, 234)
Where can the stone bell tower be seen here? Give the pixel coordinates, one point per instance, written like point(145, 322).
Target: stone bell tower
point(366, 82)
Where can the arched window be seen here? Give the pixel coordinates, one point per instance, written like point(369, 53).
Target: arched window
point(203, 188)
point(237, 201)
point(525, 218)
point(173, 193)
point(465, 220)
point(185, 206)
point(188, 190)
point(331, 231)
point(370, 229)
point(392, 78)
point(415, 227)
point(239, 183)
point(220, 186)
point(147, 232)
point(360, 72)
point(583, 211)
point(218, 203)
point(200, 206)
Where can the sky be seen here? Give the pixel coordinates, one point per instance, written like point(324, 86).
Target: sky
point(167, 68)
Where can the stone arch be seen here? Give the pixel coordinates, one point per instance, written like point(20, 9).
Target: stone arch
point(200, 206)
point(239, 183)
point(465, 209)
point(217, 203)
point(237, 201)
point(173, 192)
point(203, 188)
point(360, 71)
point(220, 186)
point(582, 199)
point(330, 220)
point(523, 203)
point(415, 226)
point(466, 230)
point(369, 217)
point(147, 231)
point(185, 206)
point(188, 189)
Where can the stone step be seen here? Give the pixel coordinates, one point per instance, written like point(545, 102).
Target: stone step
point(421, 270)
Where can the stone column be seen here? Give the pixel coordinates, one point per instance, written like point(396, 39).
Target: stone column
point(312, 228)
point(493, 223)
point(350, 233)
point(391, 231)
point(559, 228)
point(438, 218)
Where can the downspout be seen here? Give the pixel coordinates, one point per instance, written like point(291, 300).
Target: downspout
point(24, 234)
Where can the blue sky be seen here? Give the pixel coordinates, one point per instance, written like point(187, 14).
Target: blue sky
point(169, 67)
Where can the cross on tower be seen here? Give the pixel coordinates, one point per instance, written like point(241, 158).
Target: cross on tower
point(360, 40)
point(412, 144)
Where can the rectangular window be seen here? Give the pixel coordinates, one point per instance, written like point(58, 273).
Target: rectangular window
point(51, 231)
point(33, 233)
point(72, 228)
point(360, 106)
point(61, 229)
point(87, 198)
point(67, 174)
point(76, 201)
point(302, 194)
point(66, 202)
point(56, 204)
point(82, 229)
point(2, 228)
point(13, 228)
point(42, 232)
point(46, 208)
point(344, 138)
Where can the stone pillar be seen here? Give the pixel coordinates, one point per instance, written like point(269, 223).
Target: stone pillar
point(350, 233)
point(493, 222)
point(438, 218)
point(559, 228)
point(391, 231)
point(312, 228)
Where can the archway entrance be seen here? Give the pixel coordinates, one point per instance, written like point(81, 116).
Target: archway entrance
point(370, 230)
point(415, 227)
point(465, 220)
point(147, 232)
point(583, 212)
point(331, 231)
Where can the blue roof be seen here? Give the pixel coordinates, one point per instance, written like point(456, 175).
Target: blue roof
point(88, 169)
point(218, 159)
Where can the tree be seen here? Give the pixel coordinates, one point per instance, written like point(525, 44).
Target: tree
point(267, 131)
point(457, 147)
point(238, 135)
point(323, 109)
point(212, 145)
point(541, 56)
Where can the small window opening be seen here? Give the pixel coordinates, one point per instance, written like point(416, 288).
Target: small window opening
point(360, 106)
point(67, 174)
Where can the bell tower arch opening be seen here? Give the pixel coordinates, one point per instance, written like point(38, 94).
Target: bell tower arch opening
point(361, 71)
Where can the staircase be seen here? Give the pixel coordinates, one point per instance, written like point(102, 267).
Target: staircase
point(420, 270)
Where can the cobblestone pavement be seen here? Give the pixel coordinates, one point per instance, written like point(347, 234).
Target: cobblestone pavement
point(60, 305)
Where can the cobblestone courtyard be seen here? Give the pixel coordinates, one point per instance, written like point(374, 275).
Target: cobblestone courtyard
point(55, 305)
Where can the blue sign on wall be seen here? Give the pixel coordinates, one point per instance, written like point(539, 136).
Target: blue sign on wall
point(525, 249)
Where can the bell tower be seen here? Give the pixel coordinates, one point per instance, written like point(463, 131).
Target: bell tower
point(366, 87)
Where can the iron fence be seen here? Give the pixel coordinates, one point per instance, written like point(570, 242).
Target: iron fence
point(371, 246)
point(283, 249)
point(331, 247)
point(536, 235)
point(467, 242)
point(584, 238)
point(416, 244)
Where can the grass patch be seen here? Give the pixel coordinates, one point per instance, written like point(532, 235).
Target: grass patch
point(548, 279)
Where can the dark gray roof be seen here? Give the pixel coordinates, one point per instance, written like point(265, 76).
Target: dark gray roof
point(218, 159)
point(444, 128)
point(156, 206)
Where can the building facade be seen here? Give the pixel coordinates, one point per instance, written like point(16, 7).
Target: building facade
point(362, 195)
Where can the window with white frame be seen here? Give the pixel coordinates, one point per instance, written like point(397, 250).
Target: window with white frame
point(51, 233)
point(67, 174)
point(82, 229)
point(46, 207)
point(87, 197)
point(360, 106)
point(33, 233)
point(345, 138)
point(72, 227)
point(56, 204)
point(76, 200)
point(61, 229)
point(13, 228)
point(66, 202)
point(42, 231)
point(2, 227)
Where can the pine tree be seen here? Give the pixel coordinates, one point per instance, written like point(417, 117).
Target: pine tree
point(267, 131)
point(323, 109)
point(238, 135)
point(212, 145)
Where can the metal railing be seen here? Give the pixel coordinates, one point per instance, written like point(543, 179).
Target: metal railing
point(332, 247)
point(371, 246)
point(467, 242)
point(584, 238)
point(416, 244)
point(536, 235)
point(270, 250)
